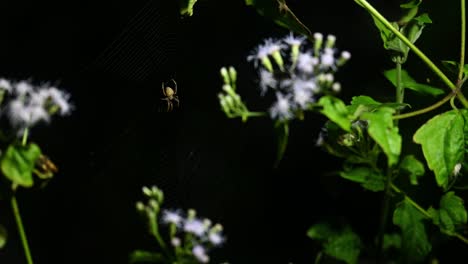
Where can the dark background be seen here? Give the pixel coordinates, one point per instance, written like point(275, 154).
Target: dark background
point(112, 57)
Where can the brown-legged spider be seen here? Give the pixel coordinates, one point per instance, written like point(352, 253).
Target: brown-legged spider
point(170, 95)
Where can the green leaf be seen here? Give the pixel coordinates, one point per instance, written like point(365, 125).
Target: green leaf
point(414, 238)
point(3, 236)
point(367, 177)
point(411, 10)
point(344, 245)
point(413, 167)
point(145, 256)
point(414, 28)
point(382, 130)
point(279, 12)
point(442, 139)
point(408, 82)
point(282, 131)
point(336, 111)
point(17, 164)
point(186, 7)
point(392, 240)
point(451, 213)
point(321, 231)
point(411, 4)
point(362, 103)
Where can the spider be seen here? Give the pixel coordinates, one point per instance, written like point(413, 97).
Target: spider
point(170, 95)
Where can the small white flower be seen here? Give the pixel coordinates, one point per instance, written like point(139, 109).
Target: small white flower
point(302, 97)
point(195, 226)
point(216, 238)
point(306, 62)
point(327, 59)
point(294, 41)
point(273, 46)
point(200, 254)
point(25, 115)
point(171, 217)
point(5, 85)
point(60, 99)
point(281, 108)
point(22, 88)
point(259, 54)
point(266, 80)
point(299, 84)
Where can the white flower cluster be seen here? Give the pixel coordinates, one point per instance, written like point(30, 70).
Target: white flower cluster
point(28, 105)
point(201, 234)
point(297, 74)
point(187, 231)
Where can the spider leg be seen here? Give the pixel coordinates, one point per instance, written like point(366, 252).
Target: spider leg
point(175, 86)
point(163, 90)
point(177, 100)
point(169, 106)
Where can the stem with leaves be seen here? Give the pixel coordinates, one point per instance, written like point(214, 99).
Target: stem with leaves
point(462, 42)
point(16, 213)
point(426, 213)
point(415, 49)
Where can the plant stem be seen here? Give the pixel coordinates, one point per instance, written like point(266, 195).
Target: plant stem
point(415, 49)
point(426, 214)
point(462, 41)
point(384, 213)
point(24, 139)
point(400, 91)
point(427, 109)
point(22, 233)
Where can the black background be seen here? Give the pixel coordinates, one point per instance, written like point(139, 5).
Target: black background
point(119, 138)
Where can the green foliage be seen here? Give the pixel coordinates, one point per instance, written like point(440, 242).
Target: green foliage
point(415, 243)
point(186, 7)
point(336, 111)
point(369, 178)
point(409, 26)
point(18, 161)
point(382, 130)
point(362, 103)
point(451, 214)
point(415, 168)
point(279, 12)
point(392, 241)
point(282, 132)
point(408, 82)
point(139, 256)
point(443, 140)
point(3, 236)
point(411, 9)
point(344, 245)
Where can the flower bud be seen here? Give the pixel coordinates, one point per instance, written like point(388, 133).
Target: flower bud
point(331, 39)
point(345, 56)
point(147, 191)
point(140, 206)
point(267, 63)
point(233, 74)
point(318, 41)
point(225, 75)
point(336, 87)
point(278, 59)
